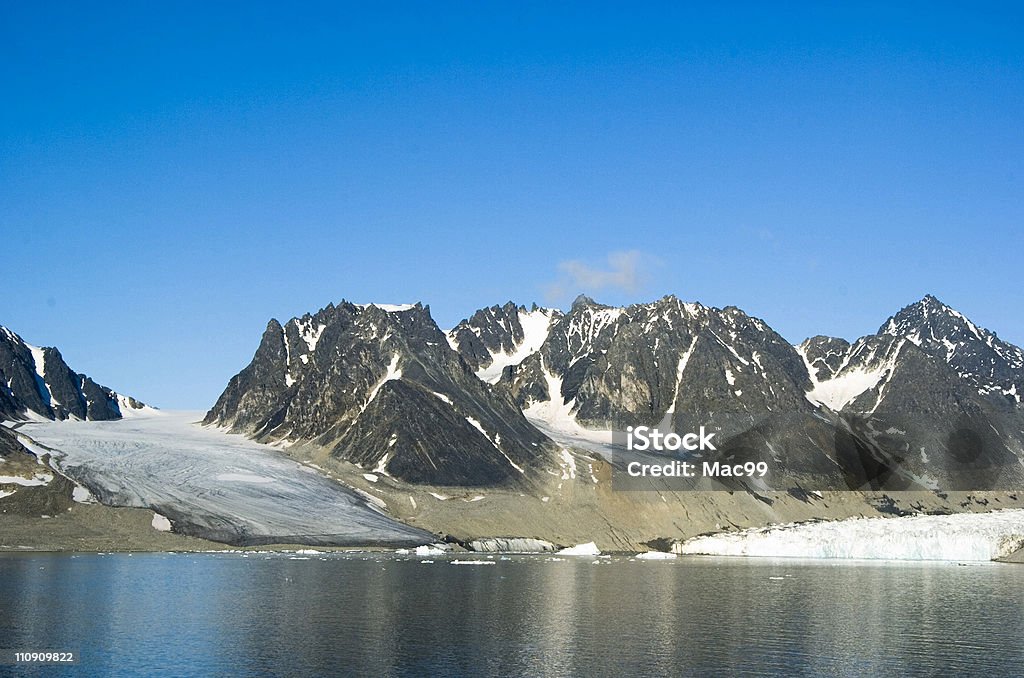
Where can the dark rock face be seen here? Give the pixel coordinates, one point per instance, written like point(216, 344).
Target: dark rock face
point(381, 388)
point(929, 401)
point(824, 355)
point(641, 364)
point(38, 380)
point(933, 399)
point(679, 366)
point(9, 443)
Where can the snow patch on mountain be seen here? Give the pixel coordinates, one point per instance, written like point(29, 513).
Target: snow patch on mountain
point(36, 480)
point(39, 360)
point(390, 308)
point(680, 368)
point(161, 523)
point(555, 419)
point(495, 441)
point(857, 375)
point(132, 408)
point(840, 391)
point(555, 411)
point(536, 326)
point(585, 327)
point(394, 372)
point(309, 334)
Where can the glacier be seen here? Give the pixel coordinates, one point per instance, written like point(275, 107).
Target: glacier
point(212, 484)
point(588, 549)
point(511, 545)
point(962, 537)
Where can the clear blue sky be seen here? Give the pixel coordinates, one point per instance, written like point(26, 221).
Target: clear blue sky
point(172, 176)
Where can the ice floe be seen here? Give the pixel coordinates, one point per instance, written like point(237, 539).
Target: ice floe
point(588, 549)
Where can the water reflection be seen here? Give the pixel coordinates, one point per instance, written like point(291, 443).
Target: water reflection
point(381, 615)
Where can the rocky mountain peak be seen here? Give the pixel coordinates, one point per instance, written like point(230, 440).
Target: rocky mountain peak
point(583, 301)
point(384, 388)
point(991, 365)
point(496, 337)
point(930, 315)
point(36, 381)
point(381, 387)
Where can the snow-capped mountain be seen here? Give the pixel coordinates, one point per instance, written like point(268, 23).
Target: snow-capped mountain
point(381, 387)
point(496, 337)
point(678, 366)
point(667, 359)
point(932, 395)
point(841, 372)
point(36, 381)
point(930, 401)
point(978, 356)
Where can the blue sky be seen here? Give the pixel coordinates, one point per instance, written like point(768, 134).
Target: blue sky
point(172, 176)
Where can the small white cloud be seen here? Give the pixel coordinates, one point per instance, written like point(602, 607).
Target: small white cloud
point(624, 271)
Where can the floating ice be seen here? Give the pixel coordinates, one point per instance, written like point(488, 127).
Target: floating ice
point(588, 549)
point(655, 555)
point(430, 550)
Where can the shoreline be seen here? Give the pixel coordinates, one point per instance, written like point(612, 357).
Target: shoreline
point(571, 509)
point(1015, 558)
point(129, 530)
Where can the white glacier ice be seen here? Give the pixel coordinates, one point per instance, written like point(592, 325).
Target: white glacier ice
point(655, 555)
point(430, 550)
point(511, 545)
point(161, 523)
point(958, 537)
point(588, 549)
point(215, 485)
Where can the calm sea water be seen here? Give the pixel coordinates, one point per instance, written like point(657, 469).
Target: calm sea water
point(277, 615)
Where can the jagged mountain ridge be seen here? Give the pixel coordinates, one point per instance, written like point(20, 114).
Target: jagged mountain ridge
point(930, 400)
point(679, 366)
point(910, 406)
point(978, 356)
point(382, 388)
point(645, 362)
point(36, 381)
point(497, 337)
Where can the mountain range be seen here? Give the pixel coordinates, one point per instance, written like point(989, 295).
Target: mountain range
point(930, 401)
